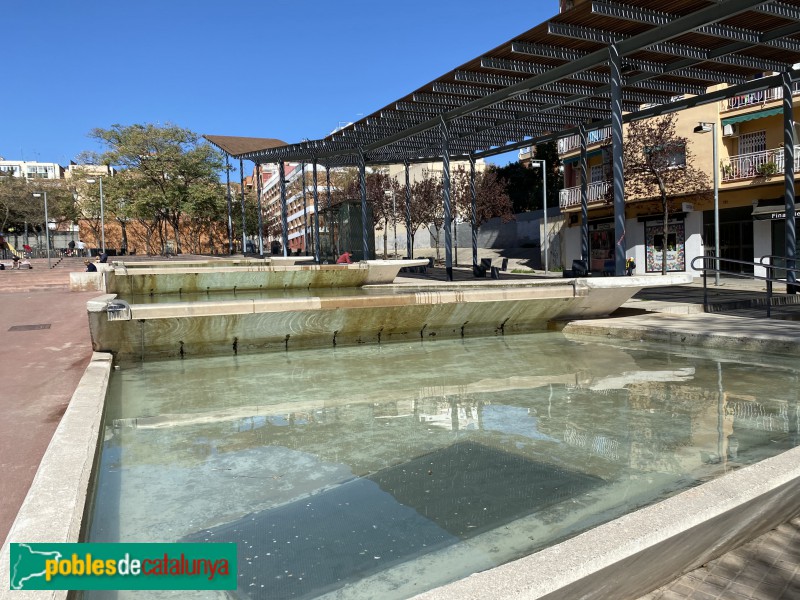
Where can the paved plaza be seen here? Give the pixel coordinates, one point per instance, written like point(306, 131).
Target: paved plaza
point(46, 347)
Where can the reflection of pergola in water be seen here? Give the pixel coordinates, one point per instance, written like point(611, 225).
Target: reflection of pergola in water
point(572, 75)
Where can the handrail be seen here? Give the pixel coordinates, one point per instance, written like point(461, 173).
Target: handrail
point(770, 278)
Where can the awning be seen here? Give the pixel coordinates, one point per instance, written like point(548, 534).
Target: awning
point(771, 210)
point(237, 145)
point(752, 116)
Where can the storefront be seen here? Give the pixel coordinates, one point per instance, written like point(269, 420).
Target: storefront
point(656, 244)
point(601, 244)
point(774, 212)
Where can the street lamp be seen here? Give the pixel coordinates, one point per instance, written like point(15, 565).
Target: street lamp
point(704, 127)
point(46, 226)
point(102, 215)
point(543, 163)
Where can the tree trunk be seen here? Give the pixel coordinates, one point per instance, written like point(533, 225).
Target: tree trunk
point(666, 232)
point(385, 237)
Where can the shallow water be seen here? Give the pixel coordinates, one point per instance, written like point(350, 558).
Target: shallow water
point(385, 470)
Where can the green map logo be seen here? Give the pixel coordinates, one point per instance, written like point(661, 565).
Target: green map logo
point(123, 566)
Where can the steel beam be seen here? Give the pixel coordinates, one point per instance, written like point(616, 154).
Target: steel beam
point(284, 212)
point(448, 241)
point(788, 177)
point(584, 196)
point(615, 64)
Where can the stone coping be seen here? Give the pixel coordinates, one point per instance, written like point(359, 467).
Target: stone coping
point(56, 505)
point(706, 330)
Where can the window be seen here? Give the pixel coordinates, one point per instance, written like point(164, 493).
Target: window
point(38, 172)
point(753, 142)
point(598, 174)
point(671, 156)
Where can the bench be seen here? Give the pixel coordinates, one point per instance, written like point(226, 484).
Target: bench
point(486, 266)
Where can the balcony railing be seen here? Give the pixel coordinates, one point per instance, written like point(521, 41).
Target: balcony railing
point(759, 97)
point(568, 144)
point(569, 197)
point(757, 164)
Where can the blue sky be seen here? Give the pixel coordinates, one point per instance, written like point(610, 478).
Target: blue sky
point(287, 70)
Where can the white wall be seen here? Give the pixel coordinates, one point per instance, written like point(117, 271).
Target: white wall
point(694, 240)
point(762, 243)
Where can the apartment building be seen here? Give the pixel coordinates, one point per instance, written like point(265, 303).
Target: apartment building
point(749, 164)
point(749, 136)
point(32, 169)
point(301, 208)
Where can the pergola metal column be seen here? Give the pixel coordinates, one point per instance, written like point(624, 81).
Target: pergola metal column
point(584, 196)
point(328, 224)
point(316, 211)
point(615, 65)
point(244, 226)
point(305, 208)
point(788, 179)
point(260, 216)
point(362, 181)
point(409, 242)
point(448, 242)
point(284, 212)
point(230, 203)
point(474, 214)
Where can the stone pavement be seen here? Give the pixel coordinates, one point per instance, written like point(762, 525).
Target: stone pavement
point(44, 350)
point(45, 347)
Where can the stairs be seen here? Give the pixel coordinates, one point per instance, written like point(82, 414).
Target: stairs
point(40, 277)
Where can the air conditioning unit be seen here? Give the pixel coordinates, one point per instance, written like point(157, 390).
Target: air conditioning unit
point(730, 130)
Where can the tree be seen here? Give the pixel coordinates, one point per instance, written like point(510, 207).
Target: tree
point(520, 183)
point(657, 163)
point(555, 178)
point(173, 167)
point(491, 196)
point(20, 211)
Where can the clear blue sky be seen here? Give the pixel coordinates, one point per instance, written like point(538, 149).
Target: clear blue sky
point(287, 70)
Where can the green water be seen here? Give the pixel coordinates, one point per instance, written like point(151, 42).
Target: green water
point(385, 470)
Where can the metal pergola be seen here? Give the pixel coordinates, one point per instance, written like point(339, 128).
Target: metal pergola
point(601, 63)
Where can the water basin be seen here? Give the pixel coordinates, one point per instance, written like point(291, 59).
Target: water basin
point(385, 470)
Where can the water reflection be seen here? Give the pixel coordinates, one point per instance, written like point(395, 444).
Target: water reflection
point(421, 455)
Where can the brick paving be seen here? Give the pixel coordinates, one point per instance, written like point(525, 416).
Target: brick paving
point(765, 569)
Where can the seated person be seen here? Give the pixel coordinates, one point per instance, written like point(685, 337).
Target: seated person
point(19, 264)
point(103, 258)
point(90, 266)
point(344, 259)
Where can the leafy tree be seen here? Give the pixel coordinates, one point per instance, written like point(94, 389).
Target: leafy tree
point(173, 167)
point(520, 184)
point(19, 209)
point(658, 163)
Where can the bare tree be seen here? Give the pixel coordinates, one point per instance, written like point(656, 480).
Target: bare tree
point(659, 164)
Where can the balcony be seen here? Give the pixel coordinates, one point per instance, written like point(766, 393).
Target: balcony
point(757, 164)
point(757, 98)
point(571, 197)
point(572, 142)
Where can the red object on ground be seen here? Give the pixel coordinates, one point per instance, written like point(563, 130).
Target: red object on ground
point(344, 259)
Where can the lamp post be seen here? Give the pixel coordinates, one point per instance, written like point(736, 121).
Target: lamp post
point(46, 226)
point(102, 215)
point(704, 127)
point(543, 163)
